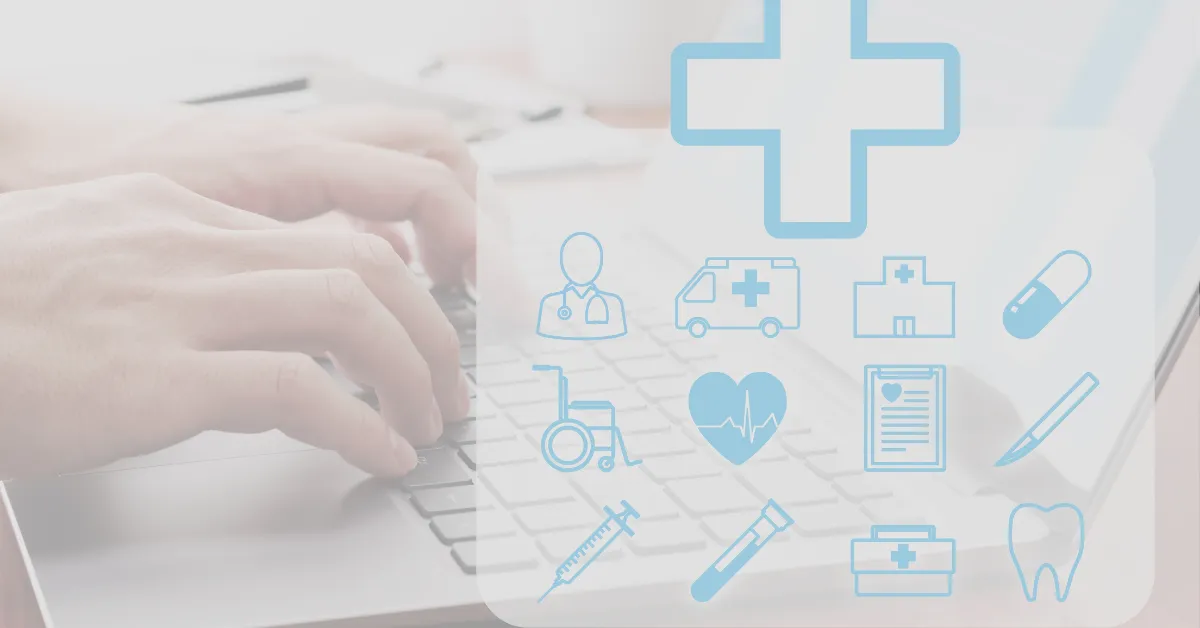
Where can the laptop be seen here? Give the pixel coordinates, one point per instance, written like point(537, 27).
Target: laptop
point(262, 531)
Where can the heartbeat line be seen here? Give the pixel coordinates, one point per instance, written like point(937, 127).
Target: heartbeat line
point(747, 429)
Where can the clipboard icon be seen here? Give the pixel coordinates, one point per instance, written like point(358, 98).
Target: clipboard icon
point(904, 410)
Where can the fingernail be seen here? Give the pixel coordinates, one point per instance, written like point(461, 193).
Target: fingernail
point(405, 458)
point(435, 423)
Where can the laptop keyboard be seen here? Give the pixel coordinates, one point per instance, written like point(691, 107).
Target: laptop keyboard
point(688, 502)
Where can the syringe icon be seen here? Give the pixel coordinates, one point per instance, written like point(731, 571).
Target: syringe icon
point(593, 546)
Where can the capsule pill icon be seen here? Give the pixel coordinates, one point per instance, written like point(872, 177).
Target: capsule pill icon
point(1050, 292)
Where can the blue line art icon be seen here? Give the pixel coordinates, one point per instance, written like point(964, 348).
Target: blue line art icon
point(905, 304)
point(1041, 429)
point(903, 561)
point(905, 418)
point(737, 419)
point(1065, 520)
point(570, 442)
point(593, 546)
point(581, 311)
point(741, 293)
point(771, 521)
point(861, 140)
point(1045, 297)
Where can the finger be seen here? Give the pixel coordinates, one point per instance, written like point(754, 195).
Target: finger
point(393, 234)
point(161, 191)
point(426, 133)
point(252, 392)
point(386, 186)
point(387, 277)
point(316, 312)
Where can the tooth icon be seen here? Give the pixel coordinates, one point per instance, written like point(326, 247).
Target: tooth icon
point(1031, 560)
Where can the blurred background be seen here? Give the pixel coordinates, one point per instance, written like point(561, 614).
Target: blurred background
point(535, 85)
point(585, 46)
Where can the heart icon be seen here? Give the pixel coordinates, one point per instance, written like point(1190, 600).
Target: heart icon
point(891, 392)
point(737, 419)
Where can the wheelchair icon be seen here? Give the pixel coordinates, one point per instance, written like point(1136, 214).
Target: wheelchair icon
point(586, 439)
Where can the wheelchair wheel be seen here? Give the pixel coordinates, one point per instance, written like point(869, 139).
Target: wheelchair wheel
point(607, 463)
point(559, 429)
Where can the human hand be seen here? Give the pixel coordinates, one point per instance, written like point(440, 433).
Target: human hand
point(378, 164)
point(137, 314)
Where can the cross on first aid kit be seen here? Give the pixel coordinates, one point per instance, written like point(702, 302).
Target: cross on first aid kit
point(902, 561)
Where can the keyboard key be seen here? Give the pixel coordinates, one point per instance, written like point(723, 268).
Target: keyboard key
point(892, 511)
point(537, 415)
point(795, 425)
point(773, 451)
point(646, 497)
point(503, 452)
point(677, 409)
point(437, 467)
point(469, 526)
point(692, 351)
point(625, 400)
point(857, 488)
point(466, 357)
point(446, 500)
point(580, 361)
point(790, 483)
point(812, 444)
point(669, 536)
point(665, 388)
point(727, 528)
point(522, 394)
point(831, 466)
point(655, 444)
point(668, 334)
point(487, 356)
point(557, 546)
point(594, 383)
point(471, 432)
point(467, 454)
point(501, 555)
point(462, 433)
point(555, 517)
point(527, 485)
point(482, 409)
point(508, 373)
point(692, 465)
point(643, 421)
point(649, 368)
point(829, 520)
point(706, 496)
point(628, 349)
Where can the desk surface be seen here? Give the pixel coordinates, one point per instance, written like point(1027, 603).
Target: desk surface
point(1173, 602)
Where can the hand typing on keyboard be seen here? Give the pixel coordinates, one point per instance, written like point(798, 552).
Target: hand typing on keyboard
point(140, 310)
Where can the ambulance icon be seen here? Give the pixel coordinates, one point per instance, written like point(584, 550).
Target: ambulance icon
point(905, 304)
point(741, 293)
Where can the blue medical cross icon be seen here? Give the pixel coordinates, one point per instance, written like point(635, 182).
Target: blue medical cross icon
point(905, 274)
point(861, 140)
point(904, 557)
point(751, 288)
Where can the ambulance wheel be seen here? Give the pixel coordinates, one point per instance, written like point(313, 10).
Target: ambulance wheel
point(770, 327)
point(697, 327)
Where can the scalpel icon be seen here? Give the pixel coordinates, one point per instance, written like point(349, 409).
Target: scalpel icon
point(1051, 420)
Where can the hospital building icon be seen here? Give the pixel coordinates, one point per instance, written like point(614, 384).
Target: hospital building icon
point(905, 304)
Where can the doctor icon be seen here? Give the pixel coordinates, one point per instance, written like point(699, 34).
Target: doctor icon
point(581, 311)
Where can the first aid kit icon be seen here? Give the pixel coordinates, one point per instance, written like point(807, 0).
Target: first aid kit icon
point(903, 561)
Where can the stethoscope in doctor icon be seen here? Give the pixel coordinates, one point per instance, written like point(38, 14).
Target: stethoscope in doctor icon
point(581, 311)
